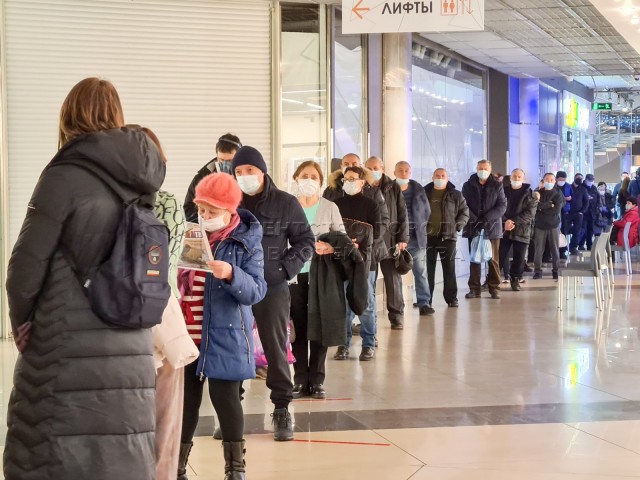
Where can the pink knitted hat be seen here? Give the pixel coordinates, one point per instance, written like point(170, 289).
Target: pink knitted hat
point(220, 190)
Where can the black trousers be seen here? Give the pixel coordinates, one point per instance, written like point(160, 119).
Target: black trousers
point(393, 289)
point(587, 232)
point(310, 356)
point(447, 251)
point(572, 224)
point(272, 318)
point(493, 273)
point(516, 267)
point(226, 399)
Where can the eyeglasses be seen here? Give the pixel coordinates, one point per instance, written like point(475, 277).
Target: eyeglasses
point(350, 180)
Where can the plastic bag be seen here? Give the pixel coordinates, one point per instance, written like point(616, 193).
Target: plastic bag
point(258, 350)
point(480, 249)
point(562, 241)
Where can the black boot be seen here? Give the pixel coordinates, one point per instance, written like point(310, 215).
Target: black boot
point(515, 284)
point(234, 460)
point(185, 448)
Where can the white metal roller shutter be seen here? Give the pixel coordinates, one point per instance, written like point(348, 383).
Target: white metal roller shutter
point(190, 70)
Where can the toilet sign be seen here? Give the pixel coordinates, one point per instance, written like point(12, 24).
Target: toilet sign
point(383, 16)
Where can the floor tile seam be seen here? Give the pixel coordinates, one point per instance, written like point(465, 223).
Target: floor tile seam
point(601, 438)
point(421, 464)
point(568, 475)
point(624, 399)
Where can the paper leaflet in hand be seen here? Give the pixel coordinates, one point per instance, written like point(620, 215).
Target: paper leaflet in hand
point(197, 251)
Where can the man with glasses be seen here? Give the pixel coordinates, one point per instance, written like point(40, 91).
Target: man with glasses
point(226, 148)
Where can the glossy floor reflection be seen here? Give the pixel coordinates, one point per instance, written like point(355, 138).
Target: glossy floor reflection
point(496, 389)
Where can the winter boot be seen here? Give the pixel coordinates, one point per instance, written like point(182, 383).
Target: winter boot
point(282, 425)
point(234, 460)
point(185, 448)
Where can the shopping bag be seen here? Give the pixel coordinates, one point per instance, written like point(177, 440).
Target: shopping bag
point(480, 249)
point(562, 241)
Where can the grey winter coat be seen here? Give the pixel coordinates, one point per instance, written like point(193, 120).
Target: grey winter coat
point(83, 402)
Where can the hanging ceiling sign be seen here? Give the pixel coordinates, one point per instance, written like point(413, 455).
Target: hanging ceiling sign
point(378, 16)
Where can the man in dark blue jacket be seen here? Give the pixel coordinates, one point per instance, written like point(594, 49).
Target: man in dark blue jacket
point(418, 212)
point(287, 243)
point(487, 203)
point(567, 191)
point(579, 207)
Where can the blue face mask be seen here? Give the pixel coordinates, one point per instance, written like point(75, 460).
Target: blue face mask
point(377, 174)
point(224, 166)
point(402, 181)
point(588, 184)
point(548, 185)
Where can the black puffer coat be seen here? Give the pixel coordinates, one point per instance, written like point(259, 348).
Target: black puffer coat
point(83, 402)
point(525, 213)
point(486, 204)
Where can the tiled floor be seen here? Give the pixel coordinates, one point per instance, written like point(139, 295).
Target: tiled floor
point(496, 389)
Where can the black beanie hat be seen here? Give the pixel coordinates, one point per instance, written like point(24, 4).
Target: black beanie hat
point(561, 174)
point(249, 156)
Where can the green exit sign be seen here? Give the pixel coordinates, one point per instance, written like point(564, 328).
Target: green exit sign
point(602, 106)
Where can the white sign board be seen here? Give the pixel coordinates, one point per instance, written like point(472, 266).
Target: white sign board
point(384, 16)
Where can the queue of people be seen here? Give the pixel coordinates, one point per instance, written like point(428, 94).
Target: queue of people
point(313, 257)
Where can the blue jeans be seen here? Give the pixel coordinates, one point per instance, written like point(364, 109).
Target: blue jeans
point(368, 321)
point(423, 293)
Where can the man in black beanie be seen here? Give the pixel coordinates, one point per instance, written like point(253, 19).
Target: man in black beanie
point(288, 243)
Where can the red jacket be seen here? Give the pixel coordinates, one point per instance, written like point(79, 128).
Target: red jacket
point(632, 216)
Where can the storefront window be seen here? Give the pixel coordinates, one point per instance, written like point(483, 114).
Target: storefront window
point(577, 138)
point(348, 92)
point(448, 123)
point(304, 88)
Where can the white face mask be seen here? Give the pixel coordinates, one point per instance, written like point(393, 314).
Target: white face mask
point(377, 174)
point(308, 187)
point(402, 181)
point(440, 182)
point(213, 224)
point(249, 184)
point(351, 188)
point(601, 192)
point(561, 183)
point(516, 184)
point(483, 174)
point(548, 185)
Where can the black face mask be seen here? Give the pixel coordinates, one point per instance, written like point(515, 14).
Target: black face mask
point(578, 181)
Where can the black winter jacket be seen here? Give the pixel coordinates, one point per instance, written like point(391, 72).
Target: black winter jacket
point(549, 208)
point(398, 231)
point(526, 211)
point(327, 304)
point(455, 211)
point(580, 200)
point(334, 191)
point(287, 239)
point(486, 206)
point(83, 403)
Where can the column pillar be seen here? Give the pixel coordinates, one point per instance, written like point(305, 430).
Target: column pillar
point(397, 100)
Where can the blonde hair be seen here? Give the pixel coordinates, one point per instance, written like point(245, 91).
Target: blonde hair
point(91, 105)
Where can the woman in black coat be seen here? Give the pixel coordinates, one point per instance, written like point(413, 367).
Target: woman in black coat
point(83, 402)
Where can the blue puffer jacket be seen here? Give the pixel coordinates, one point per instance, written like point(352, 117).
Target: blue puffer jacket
point(226, 350)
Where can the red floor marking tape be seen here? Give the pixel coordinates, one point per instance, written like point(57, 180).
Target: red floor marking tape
point(345, 443)
point(321, 399)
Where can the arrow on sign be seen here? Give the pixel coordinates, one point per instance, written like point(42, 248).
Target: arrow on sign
point(469, 6)
point(357, 9)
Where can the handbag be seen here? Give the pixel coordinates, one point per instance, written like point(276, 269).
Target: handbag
point(481, 251)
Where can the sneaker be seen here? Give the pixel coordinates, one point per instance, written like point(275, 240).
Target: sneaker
point(537, 275)
point(515, 285)
point(484, 287)
point(453, 304)
point(527, 268)
point(300, 390)
point(495, 295)
point(318, 391)
point(472, 295)
point(261, 373)
point(342, 353)
point(282, 425)
point(355, 329)
point(506, 279)
point(426, 310)
point(367, 354)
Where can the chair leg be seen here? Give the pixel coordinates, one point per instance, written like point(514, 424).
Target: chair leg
point(611, 273)
point(575, 287)
point(596, 289)
point(560, 299)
